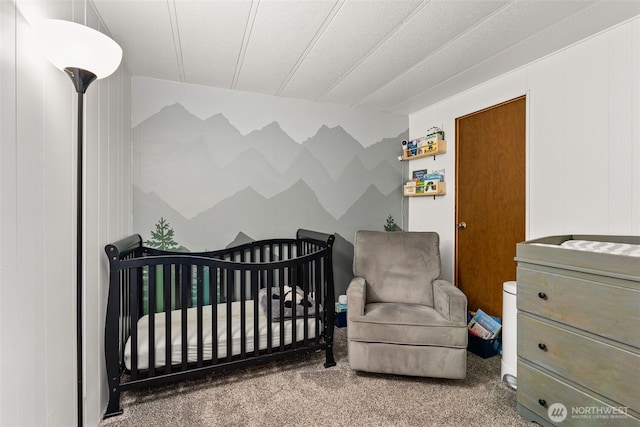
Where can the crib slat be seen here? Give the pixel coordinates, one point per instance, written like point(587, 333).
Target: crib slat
point(185, 286)
point(268, 286)
point(123, 291)
point(151, 292)
point(318, 296)
point(229, 281)
point(200, 296)
point(133, 310)
point(243, 313)
point(296, 273)
point(256, 326)
point(305, 293)
point(269, 274)
point(125, 328)
point(281, 315)
point(168, 343)
point(214, 285)
point(282, 281)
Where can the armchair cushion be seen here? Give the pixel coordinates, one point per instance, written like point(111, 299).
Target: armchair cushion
point(399, 323)
point(398, 266)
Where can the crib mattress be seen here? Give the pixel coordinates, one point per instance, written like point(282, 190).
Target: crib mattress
point(221, 334)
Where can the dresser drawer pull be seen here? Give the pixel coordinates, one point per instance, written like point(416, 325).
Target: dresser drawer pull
point(542, 402)
point(542, 346)
point(542, 295)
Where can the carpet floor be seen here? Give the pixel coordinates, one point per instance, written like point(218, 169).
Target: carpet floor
point(301, 392)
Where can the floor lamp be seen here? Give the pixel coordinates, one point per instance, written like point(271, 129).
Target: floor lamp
point(85, 55)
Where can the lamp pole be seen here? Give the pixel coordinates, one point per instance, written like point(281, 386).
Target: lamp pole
point(76, 49)
point(81, 80)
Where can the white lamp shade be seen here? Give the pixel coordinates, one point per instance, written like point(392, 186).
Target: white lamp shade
point(67, 44)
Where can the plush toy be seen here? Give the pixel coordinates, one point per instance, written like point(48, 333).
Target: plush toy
point(289, 297)
point(291, 303)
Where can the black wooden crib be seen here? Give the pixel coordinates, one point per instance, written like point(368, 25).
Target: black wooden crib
point(241, 306)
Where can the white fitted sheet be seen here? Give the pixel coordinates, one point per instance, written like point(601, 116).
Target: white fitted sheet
point(599, 247)
point(603, 247)
point(192, 344)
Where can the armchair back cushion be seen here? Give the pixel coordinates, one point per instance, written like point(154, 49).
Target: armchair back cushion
point(398, 267)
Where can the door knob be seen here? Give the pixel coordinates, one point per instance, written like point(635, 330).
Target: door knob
point(461, 225)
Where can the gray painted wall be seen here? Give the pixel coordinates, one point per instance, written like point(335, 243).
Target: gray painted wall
point(216, 185)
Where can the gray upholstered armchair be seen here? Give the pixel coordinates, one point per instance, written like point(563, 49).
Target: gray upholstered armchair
point(402, 318)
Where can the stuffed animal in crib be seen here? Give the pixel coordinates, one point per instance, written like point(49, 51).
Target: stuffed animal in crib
point(293, 301)
point(289, 297)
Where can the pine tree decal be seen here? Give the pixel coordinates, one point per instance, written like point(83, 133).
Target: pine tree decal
point(162, 238)
point(391, 225)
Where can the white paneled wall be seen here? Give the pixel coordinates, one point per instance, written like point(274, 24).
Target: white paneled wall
point(583, 140)
point(37, 220)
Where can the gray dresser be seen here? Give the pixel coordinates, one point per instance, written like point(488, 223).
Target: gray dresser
point(578, 333)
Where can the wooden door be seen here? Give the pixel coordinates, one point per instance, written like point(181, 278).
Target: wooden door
point(490, 201)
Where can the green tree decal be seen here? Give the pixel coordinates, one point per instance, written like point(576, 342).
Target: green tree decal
point(162, 238)
point(391, 225)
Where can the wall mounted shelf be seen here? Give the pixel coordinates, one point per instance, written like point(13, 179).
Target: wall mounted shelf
point(436, 189)
point(430, 149)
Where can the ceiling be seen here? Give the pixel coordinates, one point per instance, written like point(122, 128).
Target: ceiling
point(397, 56)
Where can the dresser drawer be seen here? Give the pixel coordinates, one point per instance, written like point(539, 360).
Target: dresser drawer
point(606, 309)
point(612, 371)
point(538, 391)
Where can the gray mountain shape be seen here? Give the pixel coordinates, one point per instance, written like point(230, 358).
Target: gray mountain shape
point(161, 132)
point(256, 172)
point(334, 148)
point(387, 148)
point(254, 215)
point(351, 185)
point(224, 141)
point(387, 176)
point(277, 147)
point(318, 179)
point(370, 211)
point(212, 184)
point(240, 239)
point(185, 179)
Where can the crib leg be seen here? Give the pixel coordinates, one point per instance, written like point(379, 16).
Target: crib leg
point(330, 361)
point(113, 407)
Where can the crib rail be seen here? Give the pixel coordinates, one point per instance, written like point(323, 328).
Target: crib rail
point(157, 295)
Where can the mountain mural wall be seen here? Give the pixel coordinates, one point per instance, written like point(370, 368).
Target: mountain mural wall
point(216, 186)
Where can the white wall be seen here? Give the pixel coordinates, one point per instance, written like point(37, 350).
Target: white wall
point(37, 220)
point(583, 140)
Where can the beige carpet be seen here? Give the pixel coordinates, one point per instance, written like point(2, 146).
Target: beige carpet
point(301, 392)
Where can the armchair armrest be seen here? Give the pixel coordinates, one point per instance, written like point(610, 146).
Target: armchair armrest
point(356, 296)
point(449, 301)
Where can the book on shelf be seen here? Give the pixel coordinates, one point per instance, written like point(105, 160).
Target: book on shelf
point(435, 175)
point(419, 174)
